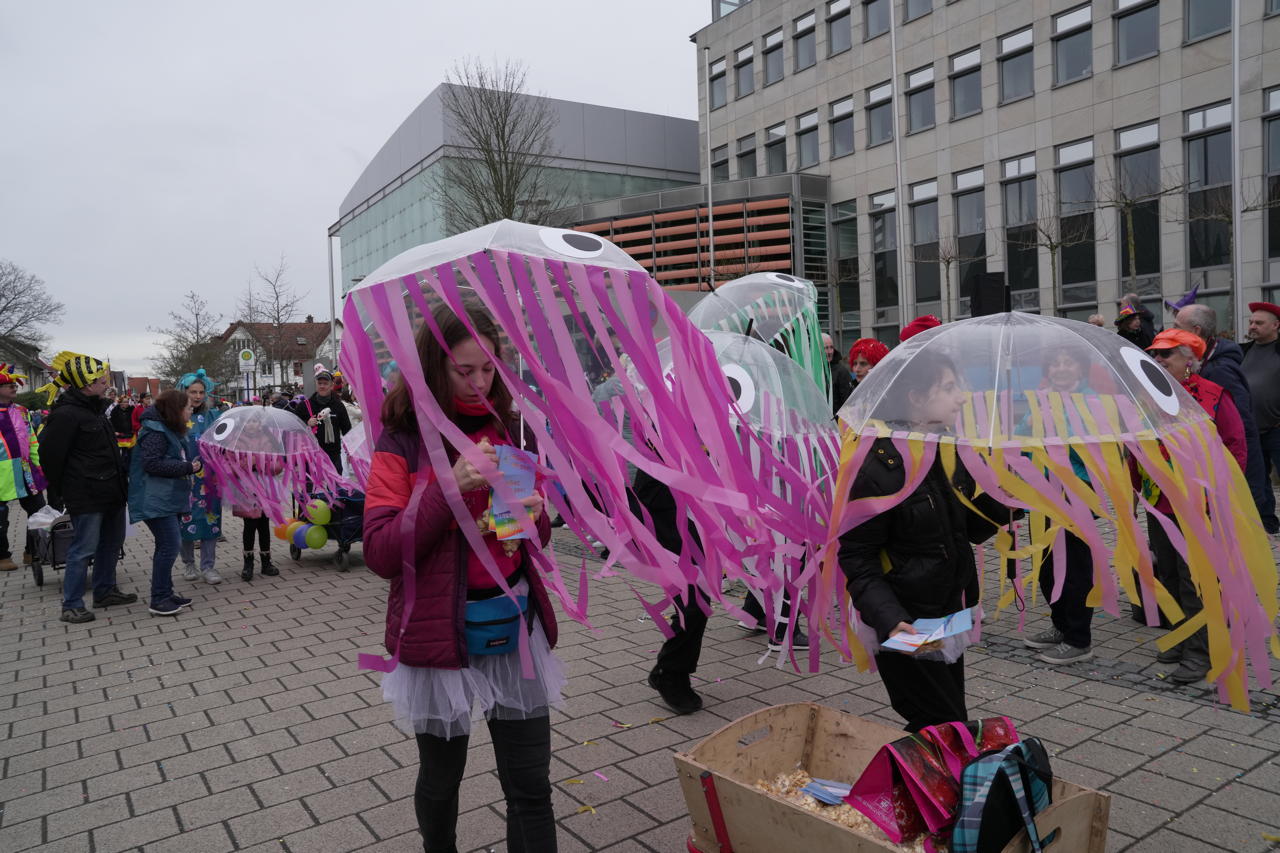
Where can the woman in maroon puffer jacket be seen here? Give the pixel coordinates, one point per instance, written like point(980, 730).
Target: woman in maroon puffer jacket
point(436, 681)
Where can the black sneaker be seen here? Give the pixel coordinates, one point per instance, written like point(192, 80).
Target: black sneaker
point(676, 690)
point(1189, 672)
point(184, 603)
point(114, 596)
point(168, 607)
point(799, 640)
point(76, 615)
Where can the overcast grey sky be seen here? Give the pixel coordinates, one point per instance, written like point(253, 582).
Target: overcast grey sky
point(150, 148)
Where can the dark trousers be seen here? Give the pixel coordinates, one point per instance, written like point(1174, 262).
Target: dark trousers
point(923, 692)
point(260, 526)
point(1069, 613)
point(679, 654)
point(523, 752)
point(1174, 573)
point(1269, 440)
point(31, 504)
point(168, 533)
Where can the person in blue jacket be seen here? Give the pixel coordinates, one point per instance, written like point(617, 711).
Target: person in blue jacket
point(160, 491)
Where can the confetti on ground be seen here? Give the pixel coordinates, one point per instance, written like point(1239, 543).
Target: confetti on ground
point(585, 809)
point(589, 743)
point(657, 720)
point(601, 775)
point(618, 725)
point(574, 782)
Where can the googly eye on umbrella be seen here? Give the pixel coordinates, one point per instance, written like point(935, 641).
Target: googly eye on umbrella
point(1047, 414)
point(267, 457)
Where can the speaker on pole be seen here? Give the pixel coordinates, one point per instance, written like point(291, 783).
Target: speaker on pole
point(990, 295)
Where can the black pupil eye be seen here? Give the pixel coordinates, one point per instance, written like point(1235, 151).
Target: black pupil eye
point(582, 242)
point(785, 277)
point(1158, 378)
point(736, 387)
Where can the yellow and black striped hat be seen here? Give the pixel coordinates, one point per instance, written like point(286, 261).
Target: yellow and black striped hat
point(73, 370)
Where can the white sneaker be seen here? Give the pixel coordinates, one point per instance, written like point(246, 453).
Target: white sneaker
point(190, 572)
point(212, 576)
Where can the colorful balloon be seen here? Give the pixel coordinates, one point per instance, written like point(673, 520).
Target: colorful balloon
point(316, 536)
point(318, 512)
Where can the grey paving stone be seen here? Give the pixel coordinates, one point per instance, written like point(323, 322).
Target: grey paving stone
point(167, 794)
point(128, 834)
point(210, 839)
point(339, 836)
point(291, 786)
point(1225, 830)
point(610, 824)
point(87, 817)
point(52, 801)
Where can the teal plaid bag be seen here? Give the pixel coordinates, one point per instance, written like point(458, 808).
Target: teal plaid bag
point(1000, 795)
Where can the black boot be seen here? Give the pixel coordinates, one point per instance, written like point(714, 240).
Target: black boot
point(268, 569)
point(676, 690)
point(247, 573)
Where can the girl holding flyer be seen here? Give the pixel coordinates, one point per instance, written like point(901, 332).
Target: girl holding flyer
point(459, 646)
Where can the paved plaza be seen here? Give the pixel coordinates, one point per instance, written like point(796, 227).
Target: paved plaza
point(244, 724)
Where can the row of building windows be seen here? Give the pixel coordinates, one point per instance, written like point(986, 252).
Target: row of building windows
point(1136, 36)
point(1061, 221)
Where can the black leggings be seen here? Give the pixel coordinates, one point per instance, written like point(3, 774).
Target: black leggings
point(923, 692)
point(260, 526)
point(523, 752)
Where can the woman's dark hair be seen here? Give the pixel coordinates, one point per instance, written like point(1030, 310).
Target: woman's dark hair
point(397, 408)
point(171, 405)
point(923, 372)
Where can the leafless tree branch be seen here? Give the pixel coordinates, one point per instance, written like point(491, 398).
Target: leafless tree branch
point(25, 306)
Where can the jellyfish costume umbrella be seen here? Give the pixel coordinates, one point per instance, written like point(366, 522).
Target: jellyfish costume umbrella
point(779, 309)
point(1027, 445)
point(561, 299)
point(266, 457)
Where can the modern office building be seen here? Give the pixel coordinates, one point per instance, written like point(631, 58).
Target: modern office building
point(600, 152)
point(1078, 150)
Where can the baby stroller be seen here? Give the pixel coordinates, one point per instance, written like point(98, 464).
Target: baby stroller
point(48, 546)
point(346, 522)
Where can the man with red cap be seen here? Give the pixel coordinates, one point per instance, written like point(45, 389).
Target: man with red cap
point(918, 325)
point(1262, 369)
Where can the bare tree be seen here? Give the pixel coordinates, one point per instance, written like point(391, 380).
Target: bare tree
point(1053, 231)
point(500, 165)
point(191, 339)
point(25, 306)
point(1128, 194)
point(271, 301)
point(950, 254)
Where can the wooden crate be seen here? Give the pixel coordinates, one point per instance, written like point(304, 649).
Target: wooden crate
point(827, 744)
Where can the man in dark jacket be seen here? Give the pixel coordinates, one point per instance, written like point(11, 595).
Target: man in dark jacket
point(330, 427)
point(1223, 363)
point(82, 464)
point(1262, 368)
point(842, 384)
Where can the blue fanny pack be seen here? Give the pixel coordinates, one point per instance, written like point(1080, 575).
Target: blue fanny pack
point(492, 625)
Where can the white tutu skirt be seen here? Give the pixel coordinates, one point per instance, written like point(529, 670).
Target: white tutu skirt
point(440, 702)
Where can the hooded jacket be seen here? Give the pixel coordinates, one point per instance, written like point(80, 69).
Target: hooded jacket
point(158, 471)
point(915, 561)
point(434, 636)
point(1225, 366)
point(80, 457)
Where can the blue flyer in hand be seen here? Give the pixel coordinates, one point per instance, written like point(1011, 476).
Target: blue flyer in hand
point(519, 470)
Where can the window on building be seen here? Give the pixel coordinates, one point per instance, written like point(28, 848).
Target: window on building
point(875, 18)
point(1017, 73)
point(839, 27)
point(747, 156)
point(1273, 7)
point(920, 100)
point(1209, 201)
point(773, 57)
point(879, 114)
point(775, 149)
point(924, 247)
point(844, 233)
point(971, 229)
point(807, 140)
point(966, 83)
point(1272, 143)
point(720, 163)
point(913, 9)
point(884, 255)
point(1077, 257)
point(804, 41)
point(1206, 18)
point(744, 71)
point(1072, 45)
point(716, 89)
point(1137, 202)
point(1137, 30)
point(1021, 240)
point(841, 123)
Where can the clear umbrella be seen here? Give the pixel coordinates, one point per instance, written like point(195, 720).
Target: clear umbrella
point(779, 309)
point(1062, 418)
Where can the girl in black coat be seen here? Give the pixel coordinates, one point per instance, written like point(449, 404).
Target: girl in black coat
point(925, 543)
